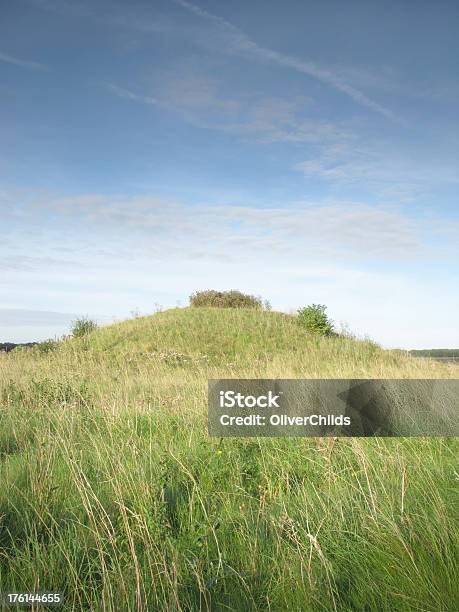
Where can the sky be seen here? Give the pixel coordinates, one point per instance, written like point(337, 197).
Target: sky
point(306, 152)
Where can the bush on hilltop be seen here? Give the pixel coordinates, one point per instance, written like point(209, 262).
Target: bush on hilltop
point(224, 299)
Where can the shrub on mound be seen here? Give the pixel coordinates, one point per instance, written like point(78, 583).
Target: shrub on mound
point(315, 320)
point(224, 299)
point(82, 327)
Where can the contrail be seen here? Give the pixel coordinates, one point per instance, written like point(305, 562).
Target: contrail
point(129, 95)
point(243, 44)
point(9, 59)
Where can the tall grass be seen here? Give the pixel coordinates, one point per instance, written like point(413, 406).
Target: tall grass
point(111, 491)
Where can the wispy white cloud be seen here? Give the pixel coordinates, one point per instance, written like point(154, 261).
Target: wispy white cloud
point(376, 167)
point(135, 251)
point(242, 44)
point(203, 102)
point(198, 92)
point(145, 226)
point(19, 261)
point(33, 318)
point(9, 59)
point(129, 95)
point(391, 80)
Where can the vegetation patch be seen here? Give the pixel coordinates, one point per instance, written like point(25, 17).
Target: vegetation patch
point(225, 299)
point(83, 327)
point(113, 493)
point(315, 320)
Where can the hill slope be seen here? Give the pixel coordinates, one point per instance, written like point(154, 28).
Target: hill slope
point(259, 342)
point(113, 493)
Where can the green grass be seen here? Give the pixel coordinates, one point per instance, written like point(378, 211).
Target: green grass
point(111, 491)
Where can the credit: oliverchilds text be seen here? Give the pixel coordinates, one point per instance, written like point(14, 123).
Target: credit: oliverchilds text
point(333, 407)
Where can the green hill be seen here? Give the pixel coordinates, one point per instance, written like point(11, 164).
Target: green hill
point(113, 494)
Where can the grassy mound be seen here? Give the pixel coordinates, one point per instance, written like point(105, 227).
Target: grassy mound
point(112, 492)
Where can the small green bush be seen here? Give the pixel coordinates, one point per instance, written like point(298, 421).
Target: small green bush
point(224, 299)
point(82, 327)
point(315, 320)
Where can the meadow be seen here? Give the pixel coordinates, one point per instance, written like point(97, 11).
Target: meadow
point(112, 492)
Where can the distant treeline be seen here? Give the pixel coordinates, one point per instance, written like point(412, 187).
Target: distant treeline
point(437, 353)
point(9, 346)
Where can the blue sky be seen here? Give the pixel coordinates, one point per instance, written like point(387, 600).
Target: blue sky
point(306, 152)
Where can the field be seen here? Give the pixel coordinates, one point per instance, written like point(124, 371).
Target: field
point(112, 492)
